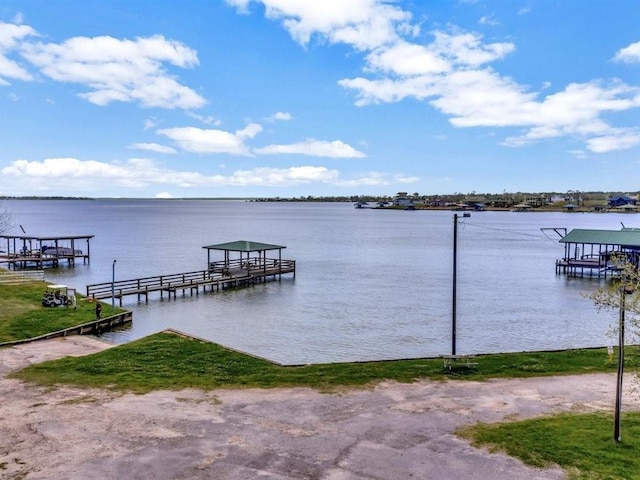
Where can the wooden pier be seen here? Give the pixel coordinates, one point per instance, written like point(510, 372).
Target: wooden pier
point(592, 266)
point(21, 252)
point(220, 275)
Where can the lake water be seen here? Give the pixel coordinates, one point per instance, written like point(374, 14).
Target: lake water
point(370, 284)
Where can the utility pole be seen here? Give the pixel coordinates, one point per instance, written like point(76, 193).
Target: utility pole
point(455, 280)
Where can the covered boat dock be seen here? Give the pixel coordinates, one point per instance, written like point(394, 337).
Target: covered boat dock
point(20, 252)
point(244, 257)
point(590, 251)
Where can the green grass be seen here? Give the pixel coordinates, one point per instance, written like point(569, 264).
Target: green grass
point(582, 444)
point(170, 361)
point(23, 316)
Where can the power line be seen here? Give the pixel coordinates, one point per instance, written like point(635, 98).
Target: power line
point(544, 237)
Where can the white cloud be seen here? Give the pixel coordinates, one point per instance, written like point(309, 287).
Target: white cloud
point(365, 24)
point(404, 58)
point(241, 5)
point(11, 37)
point(206, 119)
point(588, 100)
point(480, 97)
point(283, 116)
point(67, 171)
point(618, 140)
point(389, 90)
point(150, 123)
point(406, 179)
point(579, 154)
point(629, 54)
point(467, 49)
point(576, 111)
point(94, 176)
point(119, 70)
point(453, 72)
point(250, 131)
point(298, 175)
point(152, 147)
point(374, 179)
point(197, 140)
point(315, 148)
point(489, 20)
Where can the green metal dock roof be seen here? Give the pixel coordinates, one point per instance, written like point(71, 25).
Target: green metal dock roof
point(243, 246)
point(627, 237)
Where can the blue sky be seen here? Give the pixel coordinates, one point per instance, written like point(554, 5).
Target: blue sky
point(265, 98)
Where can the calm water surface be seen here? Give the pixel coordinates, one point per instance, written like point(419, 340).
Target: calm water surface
point(370, 284)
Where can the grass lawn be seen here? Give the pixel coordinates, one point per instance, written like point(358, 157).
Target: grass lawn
point(23, 316)
point(582, 444)
point(170, 361)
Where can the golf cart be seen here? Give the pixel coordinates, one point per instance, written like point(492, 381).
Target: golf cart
point(58, 295)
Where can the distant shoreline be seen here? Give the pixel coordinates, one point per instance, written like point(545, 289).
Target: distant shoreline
point(589, 207)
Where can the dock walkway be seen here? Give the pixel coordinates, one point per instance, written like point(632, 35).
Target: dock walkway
point(592, 266)
point(220, 275)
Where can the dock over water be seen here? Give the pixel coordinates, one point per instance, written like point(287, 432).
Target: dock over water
point(592, 252)
point(20, 252)
point(251, 266)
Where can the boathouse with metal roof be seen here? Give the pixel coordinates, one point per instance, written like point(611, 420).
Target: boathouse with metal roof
point(588, 251)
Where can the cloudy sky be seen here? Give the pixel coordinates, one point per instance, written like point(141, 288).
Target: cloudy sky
point(255, 98)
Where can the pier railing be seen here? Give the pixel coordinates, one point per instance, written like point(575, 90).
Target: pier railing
point(252, 265)
point(146, 284)
point(219, 275)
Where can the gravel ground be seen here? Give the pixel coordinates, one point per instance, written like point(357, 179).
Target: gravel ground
point(390, 432)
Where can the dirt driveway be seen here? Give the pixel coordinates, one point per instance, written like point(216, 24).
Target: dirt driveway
point(394, 431)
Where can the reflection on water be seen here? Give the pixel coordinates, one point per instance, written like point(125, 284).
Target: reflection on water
point(370, 284)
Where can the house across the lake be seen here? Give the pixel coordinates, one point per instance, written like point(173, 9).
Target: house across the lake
point(621, 200)
point(402, 199)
